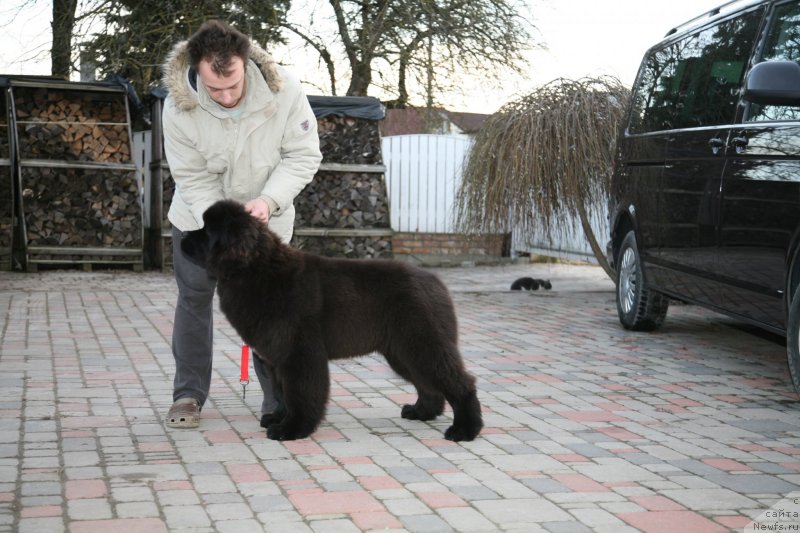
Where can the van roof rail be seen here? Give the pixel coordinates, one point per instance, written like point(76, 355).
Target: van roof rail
point(708, 14)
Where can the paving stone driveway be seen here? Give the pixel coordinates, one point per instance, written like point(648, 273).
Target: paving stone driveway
point(588, 427)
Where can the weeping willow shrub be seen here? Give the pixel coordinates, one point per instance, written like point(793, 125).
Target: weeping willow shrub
point(543, 159)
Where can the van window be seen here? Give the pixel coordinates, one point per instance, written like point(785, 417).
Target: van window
point(783, 43)
point(695, 81)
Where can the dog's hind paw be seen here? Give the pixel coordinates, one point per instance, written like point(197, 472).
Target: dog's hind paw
point(461, 433)
point(412, 412)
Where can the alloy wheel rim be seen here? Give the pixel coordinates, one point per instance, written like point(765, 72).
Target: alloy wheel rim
point(627, 280)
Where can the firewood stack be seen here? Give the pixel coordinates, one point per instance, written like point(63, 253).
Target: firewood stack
point(72, 126)
point(80, 194)
point(81, 208)
point(166, 226)
point(349, 140)
point(347, 198)
point(343, 200)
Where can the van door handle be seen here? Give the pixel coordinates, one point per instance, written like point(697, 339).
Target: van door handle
point(739, 143)
point(716, 145)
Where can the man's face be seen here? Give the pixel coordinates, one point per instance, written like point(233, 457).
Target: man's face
point(226, 90)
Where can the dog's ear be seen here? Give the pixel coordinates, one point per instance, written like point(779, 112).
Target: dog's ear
point(194, 246)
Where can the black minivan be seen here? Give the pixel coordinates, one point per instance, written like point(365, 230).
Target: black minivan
point(705, 196)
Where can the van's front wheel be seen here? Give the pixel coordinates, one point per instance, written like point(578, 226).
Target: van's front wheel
point(639, 308)
point(793, 341)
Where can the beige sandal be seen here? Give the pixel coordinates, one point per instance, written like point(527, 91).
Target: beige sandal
point(184, 413)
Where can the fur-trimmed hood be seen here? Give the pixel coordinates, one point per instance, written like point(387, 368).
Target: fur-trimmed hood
point(176, 74)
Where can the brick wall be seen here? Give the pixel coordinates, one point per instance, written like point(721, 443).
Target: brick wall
point(449, 244)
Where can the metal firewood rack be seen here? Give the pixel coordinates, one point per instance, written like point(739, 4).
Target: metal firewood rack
point(6, 182)
point(45, 179)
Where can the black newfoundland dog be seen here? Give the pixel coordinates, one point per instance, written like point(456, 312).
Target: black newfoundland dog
point(298, 310)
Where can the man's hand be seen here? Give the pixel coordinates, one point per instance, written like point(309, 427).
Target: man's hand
point(259, 209)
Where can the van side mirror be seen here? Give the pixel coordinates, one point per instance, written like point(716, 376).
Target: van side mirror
point(773, 82)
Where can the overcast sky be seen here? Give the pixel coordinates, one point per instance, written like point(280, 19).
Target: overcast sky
point(583, 37)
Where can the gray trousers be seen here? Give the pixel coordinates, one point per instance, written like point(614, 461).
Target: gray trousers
point(192, 334)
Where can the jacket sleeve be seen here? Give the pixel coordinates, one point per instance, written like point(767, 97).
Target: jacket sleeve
point(198, 185)
point(300, 155)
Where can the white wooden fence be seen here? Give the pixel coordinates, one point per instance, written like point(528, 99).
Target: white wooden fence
point(423, 174)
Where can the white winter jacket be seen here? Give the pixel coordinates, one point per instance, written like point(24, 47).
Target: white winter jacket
point(271, 152)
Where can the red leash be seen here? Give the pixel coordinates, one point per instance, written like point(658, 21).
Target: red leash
point(244, 379)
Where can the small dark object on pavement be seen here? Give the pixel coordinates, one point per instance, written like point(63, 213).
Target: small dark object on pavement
point(530, 284)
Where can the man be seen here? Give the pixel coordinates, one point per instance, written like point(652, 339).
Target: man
point(236, 126)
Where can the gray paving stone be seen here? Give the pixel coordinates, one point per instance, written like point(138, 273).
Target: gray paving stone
point(566, 527)
point(472, 493)
point(425, 522)
point(710, 499)
point(545, 485)
point(590, 450)
point(518, 512)
point(753, 483)
point(616, 470)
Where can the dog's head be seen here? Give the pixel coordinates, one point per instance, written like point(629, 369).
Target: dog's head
point(228, 240)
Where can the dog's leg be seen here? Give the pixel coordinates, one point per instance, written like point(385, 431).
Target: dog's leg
point(279, 412)
point(451, 378)
point(428, 407)
point(439, 375)
point(276, 416)
point(467, 421)
point(306, 385)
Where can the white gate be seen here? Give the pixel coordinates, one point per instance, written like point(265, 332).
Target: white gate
point(423, 173)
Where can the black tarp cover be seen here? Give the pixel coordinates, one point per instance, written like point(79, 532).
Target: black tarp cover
point(365, 107)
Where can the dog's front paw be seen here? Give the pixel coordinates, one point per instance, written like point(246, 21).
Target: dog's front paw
point(285, 432)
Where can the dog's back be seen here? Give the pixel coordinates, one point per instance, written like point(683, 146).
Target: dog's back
point(374, 301)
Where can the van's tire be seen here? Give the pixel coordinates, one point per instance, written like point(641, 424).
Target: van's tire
point(639, 308)
point(793, 341)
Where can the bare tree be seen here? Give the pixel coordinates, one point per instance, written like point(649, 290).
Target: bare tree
point(63, 24)
point(424, 39)
point(544, 158)
point(434, 39)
